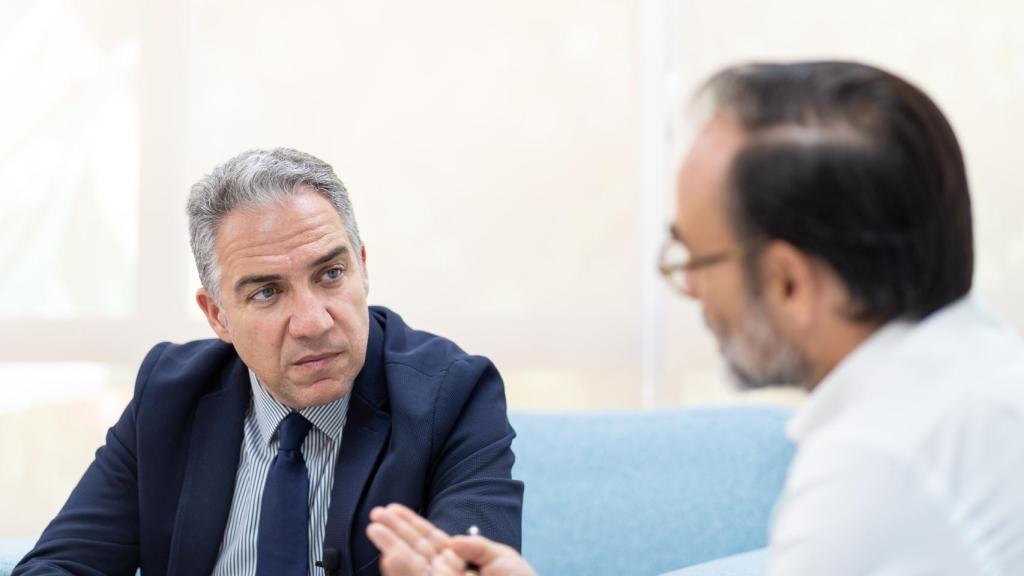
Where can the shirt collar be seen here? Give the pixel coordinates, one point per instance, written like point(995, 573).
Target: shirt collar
point(328, 418)
point(877, 362)
point(847, 381)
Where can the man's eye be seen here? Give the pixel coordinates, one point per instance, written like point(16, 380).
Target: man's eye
point(265, 294)
point(334, 273)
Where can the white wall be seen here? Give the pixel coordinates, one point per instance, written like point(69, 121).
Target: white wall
point(504, 160)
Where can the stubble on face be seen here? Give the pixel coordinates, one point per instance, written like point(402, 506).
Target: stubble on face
point(300, 318)
point(758, 355)
point(753, 348)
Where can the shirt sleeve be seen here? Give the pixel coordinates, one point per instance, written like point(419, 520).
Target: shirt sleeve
point(849, 511)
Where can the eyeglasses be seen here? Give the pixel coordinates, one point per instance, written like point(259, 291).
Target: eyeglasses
point(677, 264)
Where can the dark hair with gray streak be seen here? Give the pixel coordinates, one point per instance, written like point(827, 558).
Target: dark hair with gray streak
point(858, 168)
point(255, 178)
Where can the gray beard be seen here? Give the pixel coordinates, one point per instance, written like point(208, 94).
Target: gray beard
point(758, 356)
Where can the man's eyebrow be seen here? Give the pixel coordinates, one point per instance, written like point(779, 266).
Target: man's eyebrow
point(265, 278)
point(332, 255)
point(256, 279)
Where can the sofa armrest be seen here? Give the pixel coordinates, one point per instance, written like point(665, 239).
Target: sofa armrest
point(753, 563)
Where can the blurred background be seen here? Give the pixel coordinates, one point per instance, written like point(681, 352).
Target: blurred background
point(511, 165)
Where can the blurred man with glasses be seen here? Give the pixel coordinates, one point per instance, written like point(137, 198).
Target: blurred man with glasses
point(823, 222)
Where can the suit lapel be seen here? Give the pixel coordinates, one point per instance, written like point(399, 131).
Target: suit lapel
point(209, 483)
point(366, 430)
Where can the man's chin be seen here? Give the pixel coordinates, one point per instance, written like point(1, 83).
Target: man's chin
point(781, 366)
point(318, 392)
point(759, 357)
point(742, 378)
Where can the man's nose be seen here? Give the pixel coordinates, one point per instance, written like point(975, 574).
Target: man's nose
point(691, 285)
point(310, 317)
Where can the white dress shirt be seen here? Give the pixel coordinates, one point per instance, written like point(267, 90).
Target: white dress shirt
point(910, 456)
point(259, 446)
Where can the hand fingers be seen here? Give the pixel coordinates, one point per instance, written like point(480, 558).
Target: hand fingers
point(396, 557)
point(447, 564)
point(436, 537)
point(477, 549)
point(493, 558)
point(383, 538)
point(404, 530)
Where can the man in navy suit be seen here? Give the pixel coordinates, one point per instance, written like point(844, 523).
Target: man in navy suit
point(196, 477)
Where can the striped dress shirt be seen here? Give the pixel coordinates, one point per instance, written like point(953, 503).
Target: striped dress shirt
point(259, 446)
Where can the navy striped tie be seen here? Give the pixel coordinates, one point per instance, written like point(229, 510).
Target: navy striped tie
point(283, 543)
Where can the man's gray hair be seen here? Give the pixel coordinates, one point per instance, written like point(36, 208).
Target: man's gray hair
point(256, 178)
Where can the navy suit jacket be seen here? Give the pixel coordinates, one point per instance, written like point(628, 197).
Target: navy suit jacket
point(426, 427)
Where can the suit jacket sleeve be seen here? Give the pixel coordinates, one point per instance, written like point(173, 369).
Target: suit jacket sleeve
point(471, 481)
point(96, 532)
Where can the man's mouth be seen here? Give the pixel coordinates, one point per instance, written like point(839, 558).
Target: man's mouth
point(315, 361)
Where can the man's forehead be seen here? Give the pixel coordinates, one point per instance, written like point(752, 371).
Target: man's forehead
point(299, 226)
point(703, 179)
point(718, 141)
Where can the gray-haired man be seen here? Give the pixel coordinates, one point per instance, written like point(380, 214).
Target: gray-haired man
point(263, 452)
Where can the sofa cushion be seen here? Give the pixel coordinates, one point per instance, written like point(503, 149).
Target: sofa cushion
point(645, 492)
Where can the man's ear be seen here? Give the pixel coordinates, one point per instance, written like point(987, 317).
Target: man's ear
point(789, 284)
point(214, 314)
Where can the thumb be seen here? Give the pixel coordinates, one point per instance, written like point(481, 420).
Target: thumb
point(479, 550)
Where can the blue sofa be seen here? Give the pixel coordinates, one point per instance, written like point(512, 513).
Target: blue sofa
point(10, 552)
point(639, 492)
point(646, 492)
point(754, 563)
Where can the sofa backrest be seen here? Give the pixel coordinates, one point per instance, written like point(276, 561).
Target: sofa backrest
point(11, 551)
point(636, 492)
point(645, 492)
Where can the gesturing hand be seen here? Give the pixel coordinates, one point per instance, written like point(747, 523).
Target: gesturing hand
point(411, 546)
point(494, 559)
point(408, 544)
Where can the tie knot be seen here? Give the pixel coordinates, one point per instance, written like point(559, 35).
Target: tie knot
point(292, 431)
